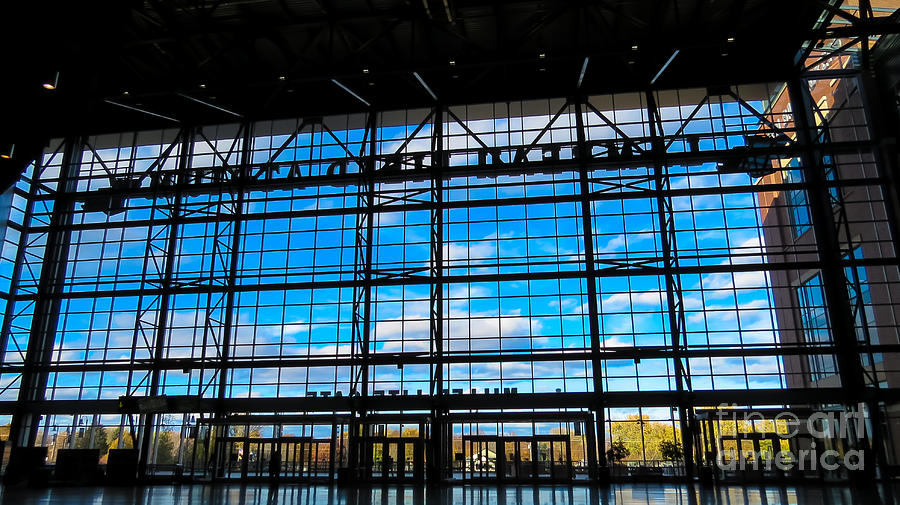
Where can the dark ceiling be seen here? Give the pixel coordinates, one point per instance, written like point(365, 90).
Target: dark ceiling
point(277, 58)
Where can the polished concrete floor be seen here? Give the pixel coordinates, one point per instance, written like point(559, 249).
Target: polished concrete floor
point(625, 494)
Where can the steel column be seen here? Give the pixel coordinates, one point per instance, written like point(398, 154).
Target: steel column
point(237, 232)
point(23, 428)
point(591, 281)
point(162, 317)
point(437, 457)
point(834, 282)
point(674, 296)
point(9, 312)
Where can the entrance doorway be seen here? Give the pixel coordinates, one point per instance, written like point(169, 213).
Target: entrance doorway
point(503, 458)
point(292, 458)
point(305, 459)
point(292, 448)
point(395, 459)
point(391, 448)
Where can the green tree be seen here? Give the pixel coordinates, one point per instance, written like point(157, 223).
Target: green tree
point(165, 448)
point(127, 441)
point(642, 437)
point(101, 439)
point(113, 443)
point(617, 452)
point(670, 450)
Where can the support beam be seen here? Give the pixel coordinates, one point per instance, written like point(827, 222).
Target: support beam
point(24, 425)
point(831, 251)
point(162, 316)
point(598, 457)
point(674, 295)
point(238, 178)
point(437, 458)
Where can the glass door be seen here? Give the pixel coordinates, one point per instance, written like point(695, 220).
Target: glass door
point(560, 460)
point(481, 458)
point(512, 463)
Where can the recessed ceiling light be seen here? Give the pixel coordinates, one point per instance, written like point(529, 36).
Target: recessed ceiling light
point(730, 39)
point(542, 56)
point(52, 82)
point(452, 63)
point(281, 78)
point(634, 47)
point(202, 86)
point(365, 70)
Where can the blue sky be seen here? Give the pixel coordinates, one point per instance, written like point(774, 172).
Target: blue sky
point(521, 316)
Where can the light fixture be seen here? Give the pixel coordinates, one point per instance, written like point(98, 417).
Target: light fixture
point(7, 152)
point(126, 93)
point(365, 70)
point(665, 66)
point(730, 39)
point(52, 82)
point(584, 67)
point(542, 56)
point(634, 47)
point(452, 63)
point(351, 92)
point(202, 86)
point(138, 109)
point(424, 85)
point(282, 78)
point(210, 105)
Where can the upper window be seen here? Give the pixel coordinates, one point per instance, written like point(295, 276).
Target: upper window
point(814, 320)
point(861, 302)
point(797, 203)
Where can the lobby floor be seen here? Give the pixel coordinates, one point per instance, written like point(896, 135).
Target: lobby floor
point(620, 494)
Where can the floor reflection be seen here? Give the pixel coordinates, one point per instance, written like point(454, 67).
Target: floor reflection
point(625, 494)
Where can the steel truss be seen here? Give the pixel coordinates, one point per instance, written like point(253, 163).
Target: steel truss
point(370, 172)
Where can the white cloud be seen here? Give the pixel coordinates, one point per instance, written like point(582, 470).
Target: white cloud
point(615, 244)
point(456, 251)
point(399, 335)
point(329, 350)
point(619, 301)
point(483, 326)
point(615, 342)
point(727, 281)
point(748, 251)
point(415, 326)
point(763, 365)
point(388, 218)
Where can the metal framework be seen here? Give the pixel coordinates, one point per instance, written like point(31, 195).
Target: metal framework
point(413, 263)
